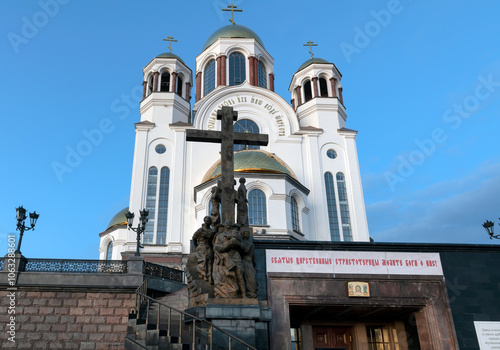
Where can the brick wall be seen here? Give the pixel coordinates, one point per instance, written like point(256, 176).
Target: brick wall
point(66, 320)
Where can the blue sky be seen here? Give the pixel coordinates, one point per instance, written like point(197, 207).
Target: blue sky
point(421, 85)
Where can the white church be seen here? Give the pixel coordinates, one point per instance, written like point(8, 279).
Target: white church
point(304, 185)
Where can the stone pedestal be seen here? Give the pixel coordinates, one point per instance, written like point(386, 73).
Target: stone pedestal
point(246, 319)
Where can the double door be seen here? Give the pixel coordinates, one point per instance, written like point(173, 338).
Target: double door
point(332, 338)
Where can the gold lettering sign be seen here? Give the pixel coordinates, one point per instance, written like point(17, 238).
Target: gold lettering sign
point(267, 107)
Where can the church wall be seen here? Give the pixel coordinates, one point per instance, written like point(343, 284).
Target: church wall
point(67, 320)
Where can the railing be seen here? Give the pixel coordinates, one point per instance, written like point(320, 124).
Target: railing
point(76, 266)
point(2, 260)
point(203, 326)
point(165, 272)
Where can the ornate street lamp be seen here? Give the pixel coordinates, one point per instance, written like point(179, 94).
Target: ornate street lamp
point(21, 217)
point(141, 226)
point(489, 227)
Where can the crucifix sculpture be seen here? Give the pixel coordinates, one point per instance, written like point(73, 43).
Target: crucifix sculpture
point(233, 9)
point(311, 44)
point(170, 39)
point(227, 138)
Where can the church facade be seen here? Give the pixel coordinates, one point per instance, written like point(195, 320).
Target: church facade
point(304, 185)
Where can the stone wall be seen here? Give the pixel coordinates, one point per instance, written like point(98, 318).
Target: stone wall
point(66, 320)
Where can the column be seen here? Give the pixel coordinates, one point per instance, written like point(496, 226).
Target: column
point(197, 94)
point(223, 81)
point(188, 92)
point(293, 103)
point(155, 81)
point(315, 86)
point(217, 62)
point(144, 89)
point(334, 91)
point(174, 82)
point(256, 71)
point(340, 95)
point(271, 82)
point(299, 96)
point(251, 68)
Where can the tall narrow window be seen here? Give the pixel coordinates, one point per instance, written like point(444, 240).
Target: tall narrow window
point(237, 69)
point(165, 82)
point(161, 235)
point(109, 251)
point(262, 75)
point(209, 77)
point(179, 86)
point(150, 84)
point(295, 215)
point(344, 207)
point(332, 207)
point(257, 211)
point(151, 205)
point(323, 87)
point(247, 126)
point(307, 91)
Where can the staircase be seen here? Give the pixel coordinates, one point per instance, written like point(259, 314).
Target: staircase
point(157, 326)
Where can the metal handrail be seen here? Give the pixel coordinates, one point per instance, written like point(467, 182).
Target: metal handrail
point(194, 318)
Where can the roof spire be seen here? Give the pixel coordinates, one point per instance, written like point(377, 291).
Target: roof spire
point(232, 9)
point(310, 44)
point(170, 39)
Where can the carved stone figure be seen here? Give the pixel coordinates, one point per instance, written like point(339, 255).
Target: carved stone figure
point(242, 204)
point(202, 243)
point(249, 263)
point(228, 267)
point(215, 200)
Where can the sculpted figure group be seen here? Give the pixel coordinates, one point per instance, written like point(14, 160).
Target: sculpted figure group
point(225, 253)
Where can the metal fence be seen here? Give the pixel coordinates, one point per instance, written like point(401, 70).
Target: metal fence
point(76, 266)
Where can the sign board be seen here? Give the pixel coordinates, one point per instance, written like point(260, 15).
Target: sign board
point(488, 335)
point(370, 263)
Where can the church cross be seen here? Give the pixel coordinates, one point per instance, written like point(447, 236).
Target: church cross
point(310, 44)
point(232, 9)
point(170, 39)
point(227, 138)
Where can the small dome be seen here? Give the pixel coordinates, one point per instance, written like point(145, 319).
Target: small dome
point(232, 31)
point(311, 61)
point(253, 161)
point(118, 219)
point(170, 55)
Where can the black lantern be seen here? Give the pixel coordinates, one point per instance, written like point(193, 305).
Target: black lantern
point(489, 226)
point(141, 226)
point(21, 217)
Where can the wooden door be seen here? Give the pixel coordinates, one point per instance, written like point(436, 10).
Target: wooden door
point(332, 338)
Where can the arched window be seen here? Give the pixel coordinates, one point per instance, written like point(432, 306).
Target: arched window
point(179, 86)
point(323, 87)
point(151, 205)
point(237, 69)
point(344, 207)
point(307, 91)
point(161, 235)
point(295, 215)
point(332, 207)
point(209, 77)
point(150, 84)
point(257, 210)
point(247, 126)
point(109, 251)
point(165, 82)
point(262, 75)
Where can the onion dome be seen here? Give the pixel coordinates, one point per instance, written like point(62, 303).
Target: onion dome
point(170, 55)
point(118, 219)
point(311, 61)
point(253, 161)
point(232, 31)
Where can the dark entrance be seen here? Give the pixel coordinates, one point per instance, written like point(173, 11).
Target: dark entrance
point(332, 338)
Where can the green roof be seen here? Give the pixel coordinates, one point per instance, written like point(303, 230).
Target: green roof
point(232, 31)
point(118, 219)
point(170, 55)
point(253, 161)
point(311, 61)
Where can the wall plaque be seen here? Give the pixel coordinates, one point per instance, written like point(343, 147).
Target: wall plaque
point(358, 289)
point(488, 334)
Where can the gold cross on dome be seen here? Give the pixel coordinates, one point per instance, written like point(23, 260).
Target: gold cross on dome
point(232, 9)
point(170, 39)
point(310, 44)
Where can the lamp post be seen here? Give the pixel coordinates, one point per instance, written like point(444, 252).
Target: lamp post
point(489, 227)
point(141, 226)
point(21, 217)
